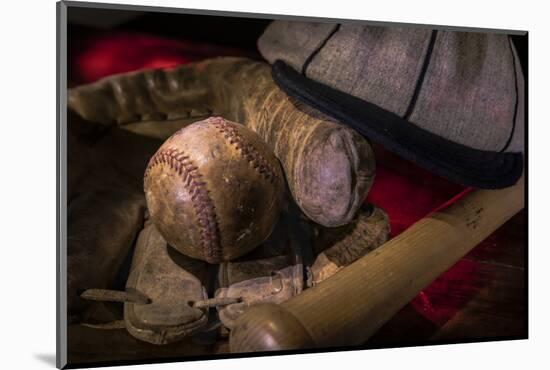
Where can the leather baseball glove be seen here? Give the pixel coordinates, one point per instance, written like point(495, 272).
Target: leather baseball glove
point(119, 122)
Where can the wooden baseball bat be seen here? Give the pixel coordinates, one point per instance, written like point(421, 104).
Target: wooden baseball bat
point(350, 306)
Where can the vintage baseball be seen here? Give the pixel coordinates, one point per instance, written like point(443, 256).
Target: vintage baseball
point(214, 190)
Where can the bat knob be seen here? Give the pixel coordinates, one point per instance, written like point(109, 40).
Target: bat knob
point(268, 327)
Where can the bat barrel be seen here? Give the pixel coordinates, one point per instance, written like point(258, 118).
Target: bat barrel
point(350, 306)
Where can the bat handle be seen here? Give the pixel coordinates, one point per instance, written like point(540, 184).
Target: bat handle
point(269, 327)
point(350, 306)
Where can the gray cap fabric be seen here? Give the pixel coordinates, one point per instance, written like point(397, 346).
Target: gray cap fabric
point(466, 87)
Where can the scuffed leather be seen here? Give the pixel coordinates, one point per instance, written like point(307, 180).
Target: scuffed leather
point(105, 204)
point(338, 247)
point(101, 227)
point(276, 287)
point(172, 282)
point(273, 273)
point(214, 190)
point(329, 167)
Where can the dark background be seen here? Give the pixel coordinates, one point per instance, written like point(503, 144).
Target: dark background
point(235, 32)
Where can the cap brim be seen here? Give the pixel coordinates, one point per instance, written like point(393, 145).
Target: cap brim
point(456, 162)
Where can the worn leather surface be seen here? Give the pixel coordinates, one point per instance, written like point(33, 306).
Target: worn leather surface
point(214, 190)
point(273, 273)
point(329, 167)
point(172, 282)
point(275, 279)
point(336, 248)
point(105, 204)
point(102, 226)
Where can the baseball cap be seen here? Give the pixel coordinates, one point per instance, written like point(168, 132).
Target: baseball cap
point(450, 101)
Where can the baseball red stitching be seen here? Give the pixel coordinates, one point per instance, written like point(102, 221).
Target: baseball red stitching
point(202, 204)
point(251, 154)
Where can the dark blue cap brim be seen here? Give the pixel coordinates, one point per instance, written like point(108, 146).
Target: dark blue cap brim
point(456, 162)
